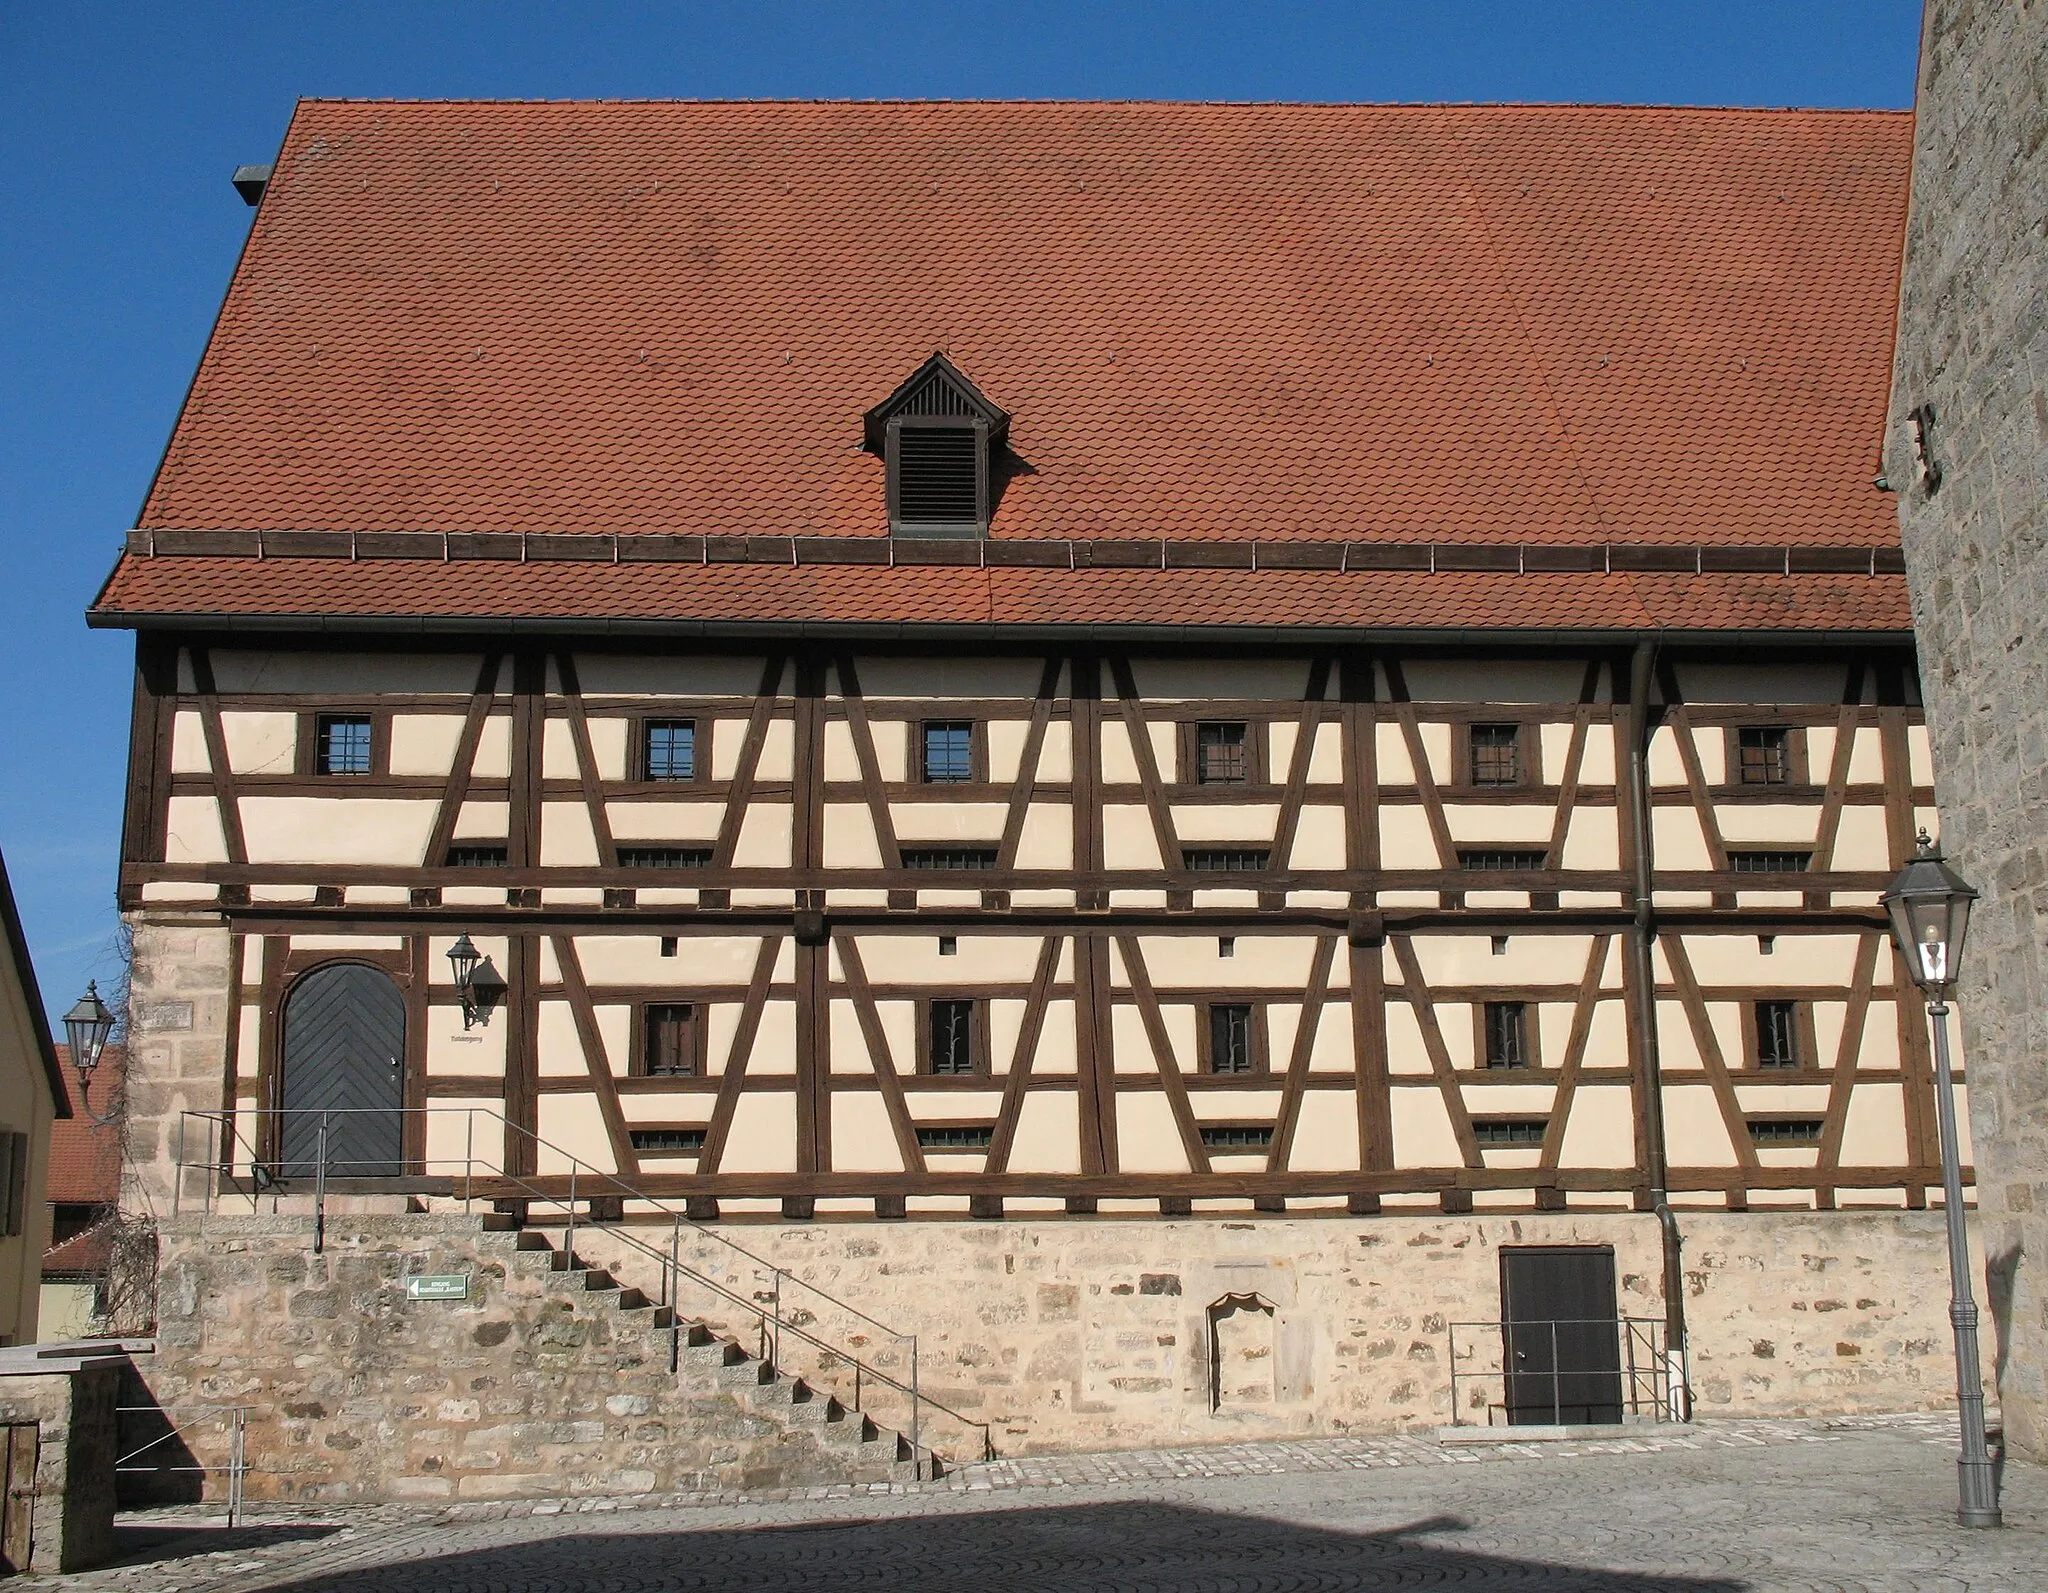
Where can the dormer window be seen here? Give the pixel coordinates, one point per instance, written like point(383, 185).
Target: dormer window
point(938, 435)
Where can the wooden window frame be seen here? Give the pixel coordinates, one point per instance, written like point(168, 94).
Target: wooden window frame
point(1751, 1119)
point(936, 530)
point(1528, 756)
point(1804, 1036)
point(1258, 770)
point(1506, 1121)
point(1204, 1129)
point(1797, 771)
point(1205, 1041)
point(698, 1129)
point(637, 1065)
point(500, 843)
point(637, 748)
point(1532, 1027)
point(981, 1126)
point(306, 754)
point(977, 1038)
point(977, 751)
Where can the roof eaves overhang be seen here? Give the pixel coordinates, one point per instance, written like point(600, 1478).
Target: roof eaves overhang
point(947, 632)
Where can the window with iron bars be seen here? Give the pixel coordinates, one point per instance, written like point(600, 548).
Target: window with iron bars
point(1765, 752)
point(1230, 1038)
point(1507, 1034)
point(343, 744)
point(1496, 754)
point(664, 856)
point(1508, 1130)
point(1782, 1131)
point(668, 1040)
point(671, 750)
point(955, 1138)
point(1769, 862)
point(1503, 859)
point(949, 752)
point(1225, 859)
point(950, 1047)
point(1236, 1136)
point(1777, 1034)
point(949, 857)
point(1220, 757)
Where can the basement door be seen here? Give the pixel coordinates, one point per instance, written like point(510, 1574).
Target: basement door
point(1560, 1335)
point(343, 1064)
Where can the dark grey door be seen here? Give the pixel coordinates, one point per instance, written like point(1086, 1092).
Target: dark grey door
point(343, 1063)
point(1560, 1335)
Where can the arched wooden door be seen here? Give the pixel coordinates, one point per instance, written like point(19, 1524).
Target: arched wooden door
point(343, 1062)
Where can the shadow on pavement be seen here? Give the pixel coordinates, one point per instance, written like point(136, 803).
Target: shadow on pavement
point(145, 1543)
point(1076, 1549)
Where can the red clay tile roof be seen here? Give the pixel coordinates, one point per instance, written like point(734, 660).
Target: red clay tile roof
point(1521, 324)
point(85, 1157)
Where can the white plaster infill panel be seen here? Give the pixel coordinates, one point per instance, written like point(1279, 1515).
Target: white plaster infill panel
point(422, 743)
point(665, 821)
point(295, 829)
point(263, 743)
point(192, 832)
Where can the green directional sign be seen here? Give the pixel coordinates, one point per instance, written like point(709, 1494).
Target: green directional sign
point(438, 1286)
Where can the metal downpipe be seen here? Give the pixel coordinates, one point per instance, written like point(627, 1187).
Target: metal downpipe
point(1642, 947)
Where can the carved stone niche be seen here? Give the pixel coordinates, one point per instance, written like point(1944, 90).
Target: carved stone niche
point(1244, 1344)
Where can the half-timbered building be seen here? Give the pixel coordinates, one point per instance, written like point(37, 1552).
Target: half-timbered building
point(998, 664)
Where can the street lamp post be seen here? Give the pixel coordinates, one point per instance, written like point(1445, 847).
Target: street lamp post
point(1929, 905)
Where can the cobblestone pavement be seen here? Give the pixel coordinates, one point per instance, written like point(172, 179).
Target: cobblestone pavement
point(1853, 1503)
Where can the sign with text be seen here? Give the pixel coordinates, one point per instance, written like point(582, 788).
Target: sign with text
point(438, 1286)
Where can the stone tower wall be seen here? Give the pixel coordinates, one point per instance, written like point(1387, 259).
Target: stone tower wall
point(1973, 346)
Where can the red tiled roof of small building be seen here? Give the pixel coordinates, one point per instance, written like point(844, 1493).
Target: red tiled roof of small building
point(1521, 324)
point(85, 1157)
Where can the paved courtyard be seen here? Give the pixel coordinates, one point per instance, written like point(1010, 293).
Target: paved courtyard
point(1850, 1504)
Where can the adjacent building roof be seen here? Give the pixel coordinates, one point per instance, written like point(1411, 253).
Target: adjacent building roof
point(26, 1025)
point(85, 1156)
point(1478, 326)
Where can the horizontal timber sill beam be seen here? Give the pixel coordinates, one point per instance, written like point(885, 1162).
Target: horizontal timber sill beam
point(1163, 553)
point(297, 917)
point(586, 877)
point(1219, 1185)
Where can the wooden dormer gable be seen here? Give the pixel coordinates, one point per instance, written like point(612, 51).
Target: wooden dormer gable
point(937, 433)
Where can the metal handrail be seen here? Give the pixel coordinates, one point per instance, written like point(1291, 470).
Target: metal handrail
point(1650, 1377)
point(238, 1451)
point(587, 1182)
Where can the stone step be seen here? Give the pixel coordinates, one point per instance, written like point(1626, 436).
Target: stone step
point(711, 1357)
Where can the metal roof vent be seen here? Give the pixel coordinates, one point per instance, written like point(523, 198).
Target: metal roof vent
point(250, 181)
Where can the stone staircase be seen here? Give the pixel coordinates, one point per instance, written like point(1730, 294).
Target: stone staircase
point(547, 1378)
point(713, 1361)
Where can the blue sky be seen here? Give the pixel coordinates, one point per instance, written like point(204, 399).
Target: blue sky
point(121, 121)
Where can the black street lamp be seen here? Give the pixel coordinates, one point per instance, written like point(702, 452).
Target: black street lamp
point(87, 1027)
point(475, 982)
point(1929, 905)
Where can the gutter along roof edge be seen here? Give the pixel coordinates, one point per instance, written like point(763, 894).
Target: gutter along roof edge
point(923, 631)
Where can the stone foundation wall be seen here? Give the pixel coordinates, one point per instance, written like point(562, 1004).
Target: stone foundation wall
point(1064, 1335)
point(1105, 1334)
point(529, 1387)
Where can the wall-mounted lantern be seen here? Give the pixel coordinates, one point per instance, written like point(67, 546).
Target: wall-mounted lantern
point(476, 981)
point(87, 1028)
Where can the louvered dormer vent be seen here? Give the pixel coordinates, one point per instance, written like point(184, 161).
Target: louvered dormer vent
point(938, 435)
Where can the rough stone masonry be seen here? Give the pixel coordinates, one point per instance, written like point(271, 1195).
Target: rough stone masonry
point(1966, 449)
